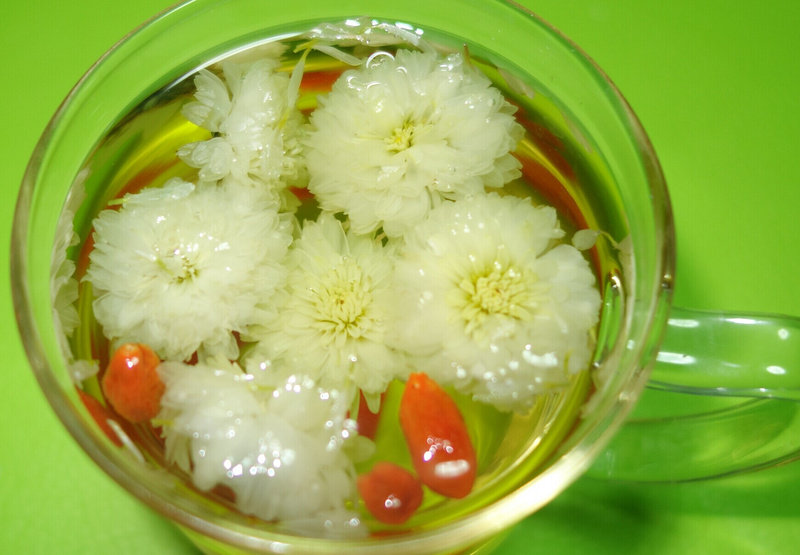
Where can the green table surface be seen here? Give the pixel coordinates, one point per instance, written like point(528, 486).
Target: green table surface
point(715, 84)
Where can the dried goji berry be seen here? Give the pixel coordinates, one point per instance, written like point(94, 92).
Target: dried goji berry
point(390, 492)
point(131, 383)
point(437, 437)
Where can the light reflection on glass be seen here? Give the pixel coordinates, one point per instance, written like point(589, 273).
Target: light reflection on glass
point(684, 323)
point(676, 358)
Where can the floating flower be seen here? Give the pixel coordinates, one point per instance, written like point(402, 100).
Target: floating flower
point(280, 451)
point(256, 131)
point(396, 136)
point(180, 268)
point(331, 319)
point(487, 303)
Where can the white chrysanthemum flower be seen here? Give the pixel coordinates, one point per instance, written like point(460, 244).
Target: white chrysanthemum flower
point(257, 133)
point(331, 319)
point(489, 306)
point(363, 30)
point(279, 451)
point(395, 137)
point(63, 284)
point(331, 38)
point(180, 268)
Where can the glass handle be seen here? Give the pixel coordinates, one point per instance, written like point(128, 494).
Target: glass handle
point(723, 398)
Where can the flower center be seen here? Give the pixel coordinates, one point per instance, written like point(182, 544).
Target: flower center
point(505, 292)
point(178, 266)
point(342, 301)
point(402, 137)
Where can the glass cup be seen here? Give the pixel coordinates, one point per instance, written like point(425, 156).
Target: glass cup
point(747, 394)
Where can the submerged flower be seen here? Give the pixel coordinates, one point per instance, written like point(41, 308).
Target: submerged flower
point(488, 304)
point(396, 136)
point(181, 268)
point(256, 131)
point(331, 319)
point(63, 284)
point(280, 451)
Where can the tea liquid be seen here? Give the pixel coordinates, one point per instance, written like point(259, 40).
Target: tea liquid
point(140, 151)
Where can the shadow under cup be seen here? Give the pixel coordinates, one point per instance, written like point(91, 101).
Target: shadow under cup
point(586, 148)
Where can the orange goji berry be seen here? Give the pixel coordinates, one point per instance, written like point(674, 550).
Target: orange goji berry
point(390, 492)
point(437, 437)
point(131, 383)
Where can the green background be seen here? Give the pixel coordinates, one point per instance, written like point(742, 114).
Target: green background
point(715, 84)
